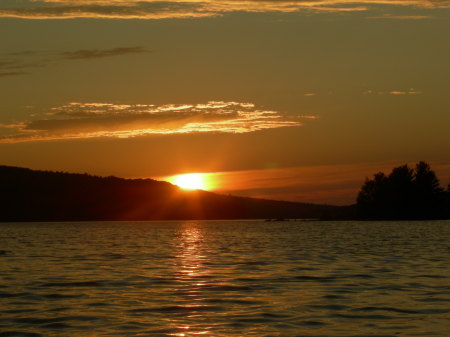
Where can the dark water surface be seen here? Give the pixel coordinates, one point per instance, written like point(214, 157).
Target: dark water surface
point(228, 278)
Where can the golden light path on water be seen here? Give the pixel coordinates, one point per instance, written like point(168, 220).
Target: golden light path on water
point(192, 274)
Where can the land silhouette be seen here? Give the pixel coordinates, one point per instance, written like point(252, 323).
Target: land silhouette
point(404, 194)
point(31, 195)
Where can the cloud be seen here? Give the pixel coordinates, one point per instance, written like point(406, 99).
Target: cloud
point(410, 91)
point(154, 9)
point(401, 17)
point(16, 64)
point(22, 53)
point(89, 120)
point(110, 10)
point(14, 67)
point(19, 63)
point(13, 73)
point(96, 53)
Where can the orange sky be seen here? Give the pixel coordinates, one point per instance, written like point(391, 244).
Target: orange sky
point(292, 100)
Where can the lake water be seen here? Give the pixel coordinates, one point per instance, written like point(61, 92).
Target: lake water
point(225, 278)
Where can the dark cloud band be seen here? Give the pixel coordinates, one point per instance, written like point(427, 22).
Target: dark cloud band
point(95, 53)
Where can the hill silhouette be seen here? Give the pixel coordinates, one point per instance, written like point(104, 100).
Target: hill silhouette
point(30, 195)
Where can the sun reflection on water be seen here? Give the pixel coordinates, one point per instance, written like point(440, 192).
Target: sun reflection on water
point(190, 256)
point(191, 274)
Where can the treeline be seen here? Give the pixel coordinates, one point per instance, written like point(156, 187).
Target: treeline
point(406, 193)
point(28, 195)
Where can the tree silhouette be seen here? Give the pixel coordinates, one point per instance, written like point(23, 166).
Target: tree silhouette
point(405, 194)
point(429, 196)
point(400, 192)
point(372, 197)
point(447, 202)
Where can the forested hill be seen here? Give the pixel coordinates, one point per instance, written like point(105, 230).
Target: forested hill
point(29, 195)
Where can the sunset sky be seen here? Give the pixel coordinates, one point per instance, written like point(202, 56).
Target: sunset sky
point(289, 100)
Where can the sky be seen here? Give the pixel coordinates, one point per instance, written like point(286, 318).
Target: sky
point(290, 100)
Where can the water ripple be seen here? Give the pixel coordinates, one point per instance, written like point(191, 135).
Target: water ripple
point(225, 279)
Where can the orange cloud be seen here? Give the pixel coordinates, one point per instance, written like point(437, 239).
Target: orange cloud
point(89, 120)
point(156, 9)
point(410, 91)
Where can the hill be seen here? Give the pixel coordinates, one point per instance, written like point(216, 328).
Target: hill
point(29, 195)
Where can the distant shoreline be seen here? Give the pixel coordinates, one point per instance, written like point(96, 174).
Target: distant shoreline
point(43, 196)
point(46, 196)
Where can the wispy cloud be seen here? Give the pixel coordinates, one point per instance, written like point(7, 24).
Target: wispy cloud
point(401, 17)
point(88, 120)
point(20, 63)
point(156, 9)
point(410, 91)
point(12, 73)
point(96, 53)
point(13, 67)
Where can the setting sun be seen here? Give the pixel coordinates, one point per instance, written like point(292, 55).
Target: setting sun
point(191, 181)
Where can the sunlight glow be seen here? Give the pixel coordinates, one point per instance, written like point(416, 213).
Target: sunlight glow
point(209, 181)
point(191, 181)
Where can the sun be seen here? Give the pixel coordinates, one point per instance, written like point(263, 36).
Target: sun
point(195, 181)
point(190, 181)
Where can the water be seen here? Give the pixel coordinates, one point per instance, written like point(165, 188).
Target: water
point(229, 278)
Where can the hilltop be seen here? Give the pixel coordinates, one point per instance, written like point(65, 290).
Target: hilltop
point(31, 195)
